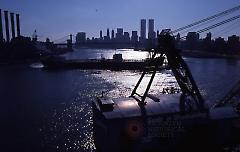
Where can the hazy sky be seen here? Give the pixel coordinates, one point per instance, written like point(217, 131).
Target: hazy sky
point(56, 18)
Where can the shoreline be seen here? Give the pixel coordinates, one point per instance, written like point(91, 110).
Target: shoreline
point(184, 53)
point(201, 54)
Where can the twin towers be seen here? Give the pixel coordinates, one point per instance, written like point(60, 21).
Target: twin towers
point(7, 32)
point(143, 29)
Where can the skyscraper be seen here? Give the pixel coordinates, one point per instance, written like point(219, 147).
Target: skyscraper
point(209, 36)
point(151, 33)
point(112, 34)
point(143, 29)
point(119, 34)
point(134, 37)
point(126, 37)
point(101, 36)
point(108, 34)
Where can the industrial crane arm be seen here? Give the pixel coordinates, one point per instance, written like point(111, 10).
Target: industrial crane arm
point(167, 50)
point(180, 69)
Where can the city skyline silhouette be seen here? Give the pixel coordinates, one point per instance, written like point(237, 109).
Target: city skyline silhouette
point(55, 19)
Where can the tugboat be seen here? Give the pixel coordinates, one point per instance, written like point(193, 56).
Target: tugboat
point(174, 121)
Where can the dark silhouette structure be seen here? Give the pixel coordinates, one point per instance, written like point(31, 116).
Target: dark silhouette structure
point(12, 24)
point(128, 120)
point(151, 33)
point(80, 38)
point(1, 27)
point(143, 30)
point(18, 25)
point(7, 26)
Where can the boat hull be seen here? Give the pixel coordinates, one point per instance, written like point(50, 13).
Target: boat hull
point(161, 127)
point(96, 64)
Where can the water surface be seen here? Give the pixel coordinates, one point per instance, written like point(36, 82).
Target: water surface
point(50, 110)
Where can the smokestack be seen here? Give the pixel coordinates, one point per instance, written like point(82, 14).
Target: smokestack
point(7, 26)
point(12, 25)
point(1, 27)
point(18, 25)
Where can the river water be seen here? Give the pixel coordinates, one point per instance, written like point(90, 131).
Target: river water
point(50, 110)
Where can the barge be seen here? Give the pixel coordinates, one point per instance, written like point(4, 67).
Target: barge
point(175, 120)
point(120, 124)
point(117, 63)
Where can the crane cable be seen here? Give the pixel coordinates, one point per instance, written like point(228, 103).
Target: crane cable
point(226, 12)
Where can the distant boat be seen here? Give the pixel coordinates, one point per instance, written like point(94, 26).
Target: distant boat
point(116, 63)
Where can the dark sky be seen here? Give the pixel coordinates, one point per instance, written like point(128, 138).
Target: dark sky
point(56, 18)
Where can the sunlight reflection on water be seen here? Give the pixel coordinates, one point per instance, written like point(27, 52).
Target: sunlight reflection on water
point(71, 122)
point(125, 81)
point(37, 65)
point(70, 128)
point(106, 53)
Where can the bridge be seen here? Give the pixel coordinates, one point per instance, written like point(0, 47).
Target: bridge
point(65, 41)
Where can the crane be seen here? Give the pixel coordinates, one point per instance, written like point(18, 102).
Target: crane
point(127, 122)
point(167, 51)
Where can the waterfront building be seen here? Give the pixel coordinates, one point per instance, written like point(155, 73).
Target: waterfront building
point(220, 45)
point(209, 37)
point(206, 43)
point(119, 35)
point(233, 39)
point(126, 37)
point(192, 36)
point(233, 44)
point(105, 38)
point(192, 40)
point(80, 37)
point(134, 37)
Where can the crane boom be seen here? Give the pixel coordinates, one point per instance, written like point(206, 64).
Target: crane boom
point(167, 50)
